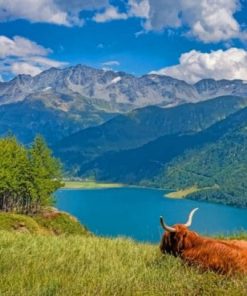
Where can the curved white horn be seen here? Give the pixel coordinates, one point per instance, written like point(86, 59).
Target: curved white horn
point(166, 227)
point(189, 222)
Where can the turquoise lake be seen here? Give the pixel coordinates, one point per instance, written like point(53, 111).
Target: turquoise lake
point(134, 212)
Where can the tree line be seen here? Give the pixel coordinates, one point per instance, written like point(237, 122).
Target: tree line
point(28, 176)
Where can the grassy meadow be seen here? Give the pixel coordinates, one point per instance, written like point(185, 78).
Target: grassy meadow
point(90, 185)
point(182, 193)
point(32, 265)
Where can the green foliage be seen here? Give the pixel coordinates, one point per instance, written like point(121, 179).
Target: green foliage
point(78, 265)
point(28, 177)
point(46, 171)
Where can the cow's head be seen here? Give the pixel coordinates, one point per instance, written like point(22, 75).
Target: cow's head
point(178, 237)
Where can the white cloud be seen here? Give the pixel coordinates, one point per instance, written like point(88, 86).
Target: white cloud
point(111, 63)
point(60, 12)
point(207, 20)
point(111, 13)
point(23, 56)
point(24, 68)
point(139, 8)
point(20, 47)
point(195, 65)
point(34, 11)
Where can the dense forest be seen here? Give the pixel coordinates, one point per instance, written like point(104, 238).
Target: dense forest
point(218, 169)
point(28, 176)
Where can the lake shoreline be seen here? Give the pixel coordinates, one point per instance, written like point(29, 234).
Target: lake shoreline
point(137, 211)
point(173, 194)
point(109, 185)
point(90, 185)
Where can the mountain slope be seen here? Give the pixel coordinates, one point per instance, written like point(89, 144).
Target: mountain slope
point(221, 166)
point(109, 86)
point(27, 118)
point(141, 126)
point(118, 87)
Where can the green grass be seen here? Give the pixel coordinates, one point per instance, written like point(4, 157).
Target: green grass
point(61, 223)
point(182, 193)
point(80, 265)
point(19, 223)
point(47, 223)
point(90, 185)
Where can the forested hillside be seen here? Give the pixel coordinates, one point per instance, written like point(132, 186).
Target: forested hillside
point(139, 127)
point(221, 165)
point(214, 158)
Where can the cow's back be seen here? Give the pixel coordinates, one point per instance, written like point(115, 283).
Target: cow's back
point(222, 257)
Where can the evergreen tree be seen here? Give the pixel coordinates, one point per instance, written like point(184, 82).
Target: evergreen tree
point(46, 172)
point(28, 177)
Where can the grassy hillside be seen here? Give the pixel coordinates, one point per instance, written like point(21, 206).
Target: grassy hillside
point(33, 265)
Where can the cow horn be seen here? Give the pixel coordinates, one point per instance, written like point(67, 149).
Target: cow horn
point(189, 222)
point(166, 227)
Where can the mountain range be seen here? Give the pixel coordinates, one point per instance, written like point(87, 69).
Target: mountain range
point(151, 130)
point(63, 101)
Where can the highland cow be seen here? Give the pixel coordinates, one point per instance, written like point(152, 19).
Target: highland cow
point(222, 256)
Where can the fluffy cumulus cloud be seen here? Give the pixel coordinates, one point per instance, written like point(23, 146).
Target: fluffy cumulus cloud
point(207, 20)
point(111, 13)
point(20, 47)
point(139, 8)
point(60, 12)
point(23, 56)
point(221, 64)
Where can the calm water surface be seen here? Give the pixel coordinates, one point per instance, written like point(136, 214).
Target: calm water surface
point(134, 212)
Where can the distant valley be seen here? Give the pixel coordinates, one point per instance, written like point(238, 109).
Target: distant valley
point(151, 130)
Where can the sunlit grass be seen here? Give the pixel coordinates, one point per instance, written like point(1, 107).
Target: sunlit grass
point(182, 193)
point(90, 185)
point(80, 265)
point(48, 223)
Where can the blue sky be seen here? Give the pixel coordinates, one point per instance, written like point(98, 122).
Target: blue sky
point(187, 39)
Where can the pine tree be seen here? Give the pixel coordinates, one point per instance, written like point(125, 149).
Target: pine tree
point(46, 172)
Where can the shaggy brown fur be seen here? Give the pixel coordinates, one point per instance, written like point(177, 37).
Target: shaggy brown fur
point(222, 256)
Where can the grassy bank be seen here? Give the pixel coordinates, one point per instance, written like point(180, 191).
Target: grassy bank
point(45, 223)
point(78, 265)
point(90, 185)
point(182, 193)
